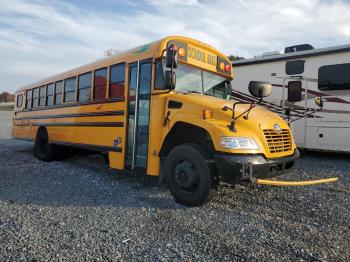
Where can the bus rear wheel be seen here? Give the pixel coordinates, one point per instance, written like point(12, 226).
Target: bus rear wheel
point(42, 149)
point(188, 175)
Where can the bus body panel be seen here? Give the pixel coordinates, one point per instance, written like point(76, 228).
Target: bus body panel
point(96, 125)
point(103, 125)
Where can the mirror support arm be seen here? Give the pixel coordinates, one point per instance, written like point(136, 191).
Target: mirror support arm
point(232, 126)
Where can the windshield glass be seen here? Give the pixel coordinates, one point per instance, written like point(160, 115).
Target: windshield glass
point(191, 79)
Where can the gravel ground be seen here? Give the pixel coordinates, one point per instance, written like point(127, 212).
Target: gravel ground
point(78, 209)
point(5, 124)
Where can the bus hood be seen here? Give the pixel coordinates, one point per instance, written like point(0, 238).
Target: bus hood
point(222, 110)
point(259, 123)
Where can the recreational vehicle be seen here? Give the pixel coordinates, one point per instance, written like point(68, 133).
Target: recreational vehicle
point(310, 89)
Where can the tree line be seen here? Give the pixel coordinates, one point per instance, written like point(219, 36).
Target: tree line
point(6, 97)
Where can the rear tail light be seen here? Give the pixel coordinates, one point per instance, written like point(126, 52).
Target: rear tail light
point(182, 52)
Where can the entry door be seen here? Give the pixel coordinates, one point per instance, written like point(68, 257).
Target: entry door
point(140, 75)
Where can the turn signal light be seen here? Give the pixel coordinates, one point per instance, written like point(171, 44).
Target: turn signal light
point(222, 66)
point(207, 114)
point(182, 52)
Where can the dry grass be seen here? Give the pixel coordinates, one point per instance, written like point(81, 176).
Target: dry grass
point(6, 107)
point(5, 123)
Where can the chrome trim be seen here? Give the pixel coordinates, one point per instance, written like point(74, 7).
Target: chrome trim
point(135, 116)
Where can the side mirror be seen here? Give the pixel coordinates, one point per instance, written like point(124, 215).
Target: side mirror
point(169, 80)
point(171, 57)
point(294, 91)
point(259, 89)
point(319, 101)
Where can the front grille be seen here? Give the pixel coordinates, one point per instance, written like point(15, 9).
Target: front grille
point(278, 142)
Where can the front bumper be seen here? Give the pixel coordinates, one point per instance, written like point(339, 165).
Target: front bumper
point(233, 168)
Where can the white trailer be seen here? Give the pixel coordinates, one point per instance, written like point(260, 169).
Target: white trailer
point(297, 78)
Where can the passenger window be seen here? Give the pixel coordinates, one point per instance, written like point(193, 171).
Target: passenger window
point(19, 101)
point(69, 90)
point(58, 92)
point(295, 67)
point(50, 94)
point(100, 84)
point(29, 99)
point(42, 96)
point(294, 91)
point(145, 78)
point(334, 77)
point(117, 80)
point(159, 78)
point(35, 97)
point(84, 87)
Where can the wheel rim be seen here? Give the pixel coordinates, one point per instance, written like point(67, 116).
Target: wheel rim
point(186, 176)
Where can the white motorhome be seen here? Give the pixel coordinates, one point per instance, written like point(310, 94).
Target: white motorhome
point(298, 76)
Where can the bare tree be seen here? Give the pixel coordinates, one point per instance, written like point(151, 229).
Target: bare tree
point(6, 97)
point(234, 57)
point(111, 52)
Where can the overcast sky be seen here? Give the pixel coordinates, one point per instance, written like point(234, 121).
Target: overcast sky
point(39, 38)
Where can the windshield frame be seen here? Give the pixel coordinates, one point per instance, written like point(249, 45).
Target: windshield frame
point(203, 90)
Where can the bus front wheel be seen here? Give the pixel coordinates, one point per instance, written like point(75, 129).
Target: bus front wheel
point(188, 175)
point(43, 150)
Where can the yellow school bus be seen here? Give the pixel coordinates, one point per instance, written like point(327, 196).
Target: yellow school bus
point(163, 109)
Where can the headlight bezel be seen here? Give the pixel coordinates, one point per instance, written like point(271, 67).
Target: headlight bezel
point(238, 143)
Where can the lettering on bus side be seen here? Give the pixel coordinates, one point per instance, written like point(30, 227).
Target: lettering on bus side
point(201, 56)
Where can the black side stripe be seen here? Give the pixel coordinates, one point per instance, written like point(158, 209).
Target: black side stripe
point(94, 124)
point(106, 113)
point(23, 138)
point(15, 124)
point(103, 101)
point(88, 146)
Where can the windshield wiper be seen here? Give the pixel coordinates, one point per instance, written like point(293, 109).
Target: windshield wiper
point(219, 84)
point(191, 91)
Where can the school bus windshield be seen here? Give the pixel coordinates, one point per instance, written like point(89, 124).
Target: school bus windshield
point(195, 80)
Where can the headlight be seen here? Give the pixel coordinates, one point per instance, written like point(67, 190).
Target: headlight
point(229, 142)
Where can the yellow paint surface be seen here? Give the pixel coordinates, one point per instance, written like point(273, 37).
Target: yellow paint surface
point(198, 54)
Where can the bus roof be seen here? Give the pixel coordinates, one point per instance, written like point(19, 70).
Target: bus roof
point(292, 55)
point(150, 50)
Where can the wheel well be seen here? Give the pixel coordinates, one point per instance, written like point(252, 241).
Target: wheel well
point(186, 133)
point(41, 129)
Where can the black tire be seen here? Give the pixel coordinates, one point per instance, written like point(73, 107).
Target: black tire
point(42, 149)
point(188, 175)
